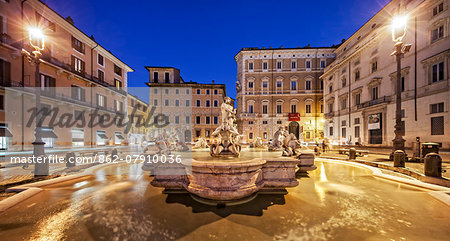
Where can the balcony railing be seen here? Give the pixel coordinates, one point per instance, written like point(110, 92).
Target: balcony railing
point(385, 99)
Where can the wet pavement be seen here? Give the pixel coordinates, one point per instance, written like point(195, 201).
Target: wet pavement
point(335, 202)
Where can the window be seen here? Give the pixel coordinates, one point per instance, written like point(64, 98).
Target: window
point(357, 75)
point(330, 88)
point(207, 133)
point(100, 75)
point(344, 132)
point(375, 93)
point(216, 120)
point(293, 65)
point(198, 133)
point(265, 135)
point(197, 119)
point(344, 82)
point(308, 64)
point(77, 137)
point(344, 103)
point(265, 84)
point(344, 123)
point(358, 99)
point(166, 91)
point(101, 100)
point(216, 103)
point(117, 70)
point(208, 120)
point(321, 84)
point(437, 108)
point(279, 65)
point(293, 85)
point(250, 109)
point(250, 122)
point(322, 64)
point(330, 107)
point(265, 65)
point(198, 103)
point(250, 66)
point(250, 135)
point(78, 93)
point(208, 103)
point(216, 92)
point(47, 85)
point(177, 91)
point(166, 102)
point(438, 9)
point(198, 91)
point(44, 21)
point(437, 33)
point(177, 102)
point(5, 72)
point(100, 60)
point(437, 73)
point(308, 85)
point(155, 102)
point(279, 84)
point(77, 45)
point(188, 91)
point(293, 108)
point(250, 85)
point(264, 109)
point(177, 120)
point(208, 92)
point(437, 125)
point(374, 66)
point(155, 91)
point(279, 108)
point(167, 77)
point(331, 130)
point(357, 121)
point(188, 103)
point(357, 135)
point(308, 108)
point(78, 65)
point(118, 106)
point(279, 122)
point(264, 122)
point(155, 77)
point(188, 120)
point(118, 84)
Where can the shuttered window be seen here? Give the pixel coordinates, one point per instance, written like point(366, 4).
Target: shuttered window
point(77, 45)
point(437, 125)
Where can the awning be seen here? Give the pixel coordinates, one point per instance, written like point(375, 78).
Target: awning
point(102, 135)
point(48, 134)
point(119, 136)
point(4, 132)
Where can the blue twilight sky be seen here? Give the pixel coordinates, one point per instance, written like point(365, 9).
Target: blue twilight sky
point(202, 37)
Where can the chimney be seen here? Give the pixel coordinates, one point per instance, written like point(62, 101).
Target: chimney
point(213, 81)
point(343, 40)
point(70, 20)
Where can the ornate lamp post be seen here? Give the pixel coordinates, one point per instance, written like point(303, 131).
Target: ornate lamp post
point(399, 24)
point(37, 41)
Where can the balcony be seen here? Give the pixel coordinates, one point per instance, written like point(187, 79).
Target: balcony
point(382, 100)
point(329, 115)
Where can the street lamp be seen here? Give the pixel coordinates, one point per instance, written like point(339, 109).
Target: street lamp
point(37, 41)
point(399, 24)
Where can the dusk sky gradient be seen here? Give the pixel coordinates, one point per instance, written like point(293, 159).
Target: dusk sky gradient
point(201, 38)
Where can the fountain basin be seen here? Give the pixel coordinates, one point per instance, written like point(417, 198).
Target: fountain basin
point(224, 180)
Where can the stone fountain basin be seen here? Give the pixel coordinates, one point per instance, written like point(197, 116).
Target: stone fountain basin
point(224, 180)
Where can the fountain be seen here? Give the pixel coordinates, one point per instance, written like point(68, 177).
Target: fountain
point(227, 176)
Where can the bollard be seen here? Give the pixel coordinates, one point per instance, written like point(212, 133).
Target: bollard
point(399, 158)
point(70, 159)
point(352, 153)
point(433, 165)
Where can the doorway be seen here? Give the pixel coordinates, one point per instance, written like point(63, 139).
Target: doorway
point(294, 128)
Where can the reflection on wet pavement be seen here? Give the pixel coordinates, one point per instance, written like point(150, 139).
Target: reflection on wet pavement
point(336, 201)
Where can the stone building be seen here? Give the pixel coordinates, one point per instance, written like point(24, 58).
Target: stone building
point(360, 84)
point(280, 87)
point(193, 108)
point(138, 110)
point(77, 75)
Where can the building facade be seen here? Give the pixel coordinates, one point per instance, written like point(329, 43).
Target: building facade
point(138, 110)
point(281, 88)
point(360, 84)
point(193, 108)
point(77, 76)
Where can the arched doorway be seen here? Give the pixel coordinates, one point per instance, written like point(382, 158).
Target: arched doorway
point(294, 127)
point(187, 136)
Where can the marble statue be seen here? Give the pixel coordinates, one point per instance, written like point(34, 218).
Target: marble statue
point(277, 141)
point(291, 145)
point(258, 143)
point(200, 143)
point(238, 86)
point(227, 142)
